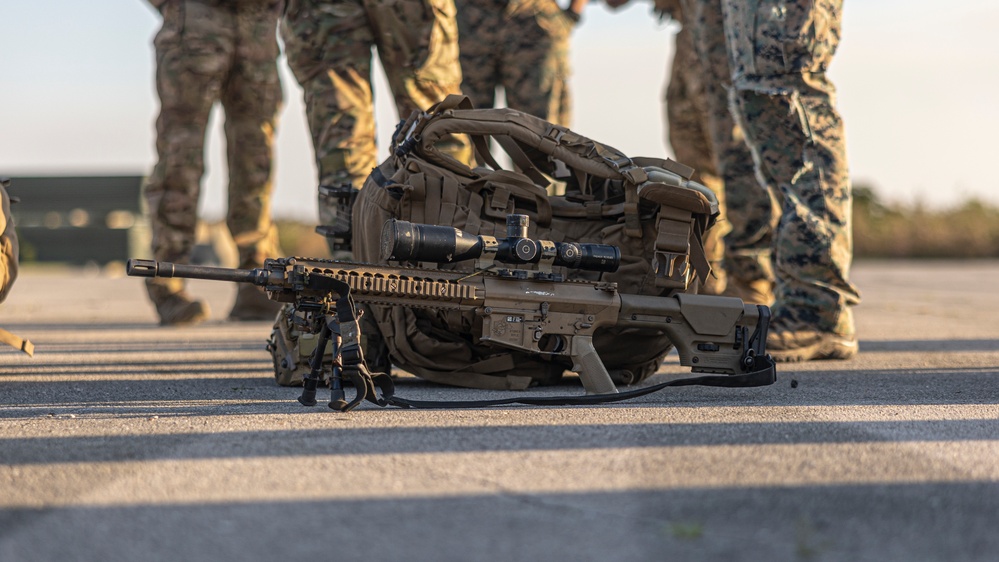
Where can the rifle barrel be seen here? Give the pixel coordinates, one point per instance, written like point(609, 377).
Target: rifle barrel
point(153, 268)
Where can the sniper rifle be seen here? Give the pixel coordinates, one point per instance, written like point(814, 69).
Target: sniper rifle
point(536, 311)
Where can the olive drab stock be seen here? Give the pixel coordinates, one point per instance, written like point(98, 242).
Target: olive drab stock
point(647, 207)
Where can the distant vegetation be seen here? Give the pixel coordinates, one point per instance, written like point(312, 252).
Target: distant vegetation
point(299, 239)
point(880, 230)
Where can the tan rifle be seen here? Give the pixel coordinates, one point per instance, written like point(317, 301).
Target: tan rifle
point(536, 311)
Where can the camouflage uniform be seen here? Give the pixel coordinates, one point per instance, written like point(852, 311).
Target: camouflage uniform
point(779, 52)
point(208, 51)
point(703, 135)
point(329, 51)
point(521, 45)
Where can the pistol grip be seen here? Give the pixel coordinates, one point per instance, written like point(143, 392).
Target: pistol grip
point(591, 369)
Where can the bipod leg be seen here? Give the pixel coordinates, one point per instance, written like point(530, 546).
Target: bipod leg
point(311, 382)
point(337, 395)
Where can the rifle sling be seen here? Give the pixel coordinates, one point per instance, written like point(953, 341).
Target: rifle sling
point(762, 377)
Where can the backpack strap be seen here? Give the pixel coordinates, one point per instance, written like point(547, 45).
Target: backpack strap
point(633, 175)
point(528, 131)
point(479, 142)
point(519, 158)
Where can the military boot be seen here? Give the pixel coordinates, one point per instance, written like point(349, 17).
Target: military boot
point(787, 343)
point(174, 305)
point(252, 304)
point(179, 309)
point(757, 291)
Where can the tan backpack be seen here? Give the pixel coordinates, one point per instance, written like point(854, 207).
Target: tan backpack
point(647, 207)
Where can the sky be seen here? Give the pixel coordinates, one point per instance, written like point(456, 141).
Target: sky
point(917, 87)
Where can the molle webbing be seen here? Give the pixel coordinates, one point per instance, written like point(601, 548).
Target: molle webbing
point(647, 207)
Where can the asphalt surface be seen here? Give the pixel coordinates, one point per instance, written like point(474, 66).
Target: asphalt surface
point(122, 440)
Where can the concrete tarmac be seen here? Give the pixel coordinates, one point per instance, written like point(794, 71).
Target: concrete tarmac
point(123, 440)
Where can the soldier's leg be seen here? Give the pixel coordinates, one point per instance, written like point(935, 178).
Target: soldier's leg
point(750, 208)
point(479, 33)
point(687, 125)
point(329, 51)
point(417, 43)
point(193, 48)
point(787, 106)
point(799, 139)
point(535, 69)
point(252, 98)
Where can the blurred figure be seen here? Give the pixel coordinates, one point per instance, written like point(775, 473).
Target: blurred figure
point(8, 265)
point(779, 51)
point(8, 244)
point(329, 51)
point(211, 51)
point(704, 135)
point(523, 47)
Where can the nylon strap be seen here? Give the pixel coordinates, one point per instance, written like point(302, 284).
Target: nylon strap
point(763, 377)
point(520, 158)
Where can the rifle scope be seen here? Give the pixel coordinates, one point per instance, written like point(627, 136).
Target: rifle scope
point(406, 241)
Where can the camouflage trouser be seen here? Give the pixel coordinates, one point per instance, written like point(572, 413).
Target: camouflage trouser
point(521, 45)
point(691, 139)
point(329, 51)
point(704, 135)
point(779, 53)
point(208, 51)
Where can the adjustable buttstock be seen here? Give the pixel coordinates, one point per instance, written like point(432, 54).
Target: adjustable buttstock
point(711, 334)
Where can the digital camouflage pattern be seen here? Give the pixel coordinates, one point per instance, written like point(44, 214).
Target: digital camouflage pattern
point(207, 52)
point(329, 44)
point(521, 45)
point(779, 52)
point(705, 136)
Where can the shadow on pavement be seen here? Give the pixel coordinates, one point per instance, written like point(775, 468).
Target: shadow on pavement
point(941, 521)
point(402, 440)
point(934, 346)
